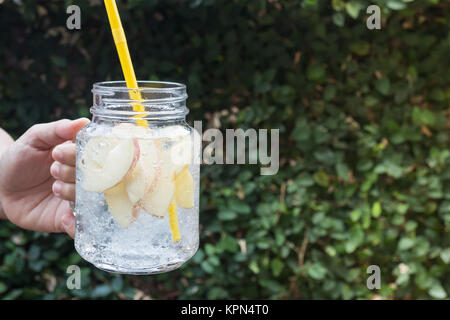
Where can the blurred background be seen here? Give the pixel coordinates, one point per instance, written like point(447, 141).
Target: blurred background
point(364, 123)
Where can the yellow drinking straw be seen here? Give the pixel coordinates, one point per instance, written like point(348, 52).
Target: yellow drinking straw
point(130, 79)
point(173, 220)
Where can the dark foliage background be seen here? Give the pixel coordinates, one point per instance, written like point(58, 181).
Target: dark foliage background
point(364, 125)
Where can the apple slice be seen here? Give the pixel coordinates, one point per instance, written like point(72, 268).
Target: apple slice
point(184, 189)
point(107, 161)
point(96, 150)
point(120, 206)
point(136, 183)
point(173, 131)
point(180, 153)
point(150, 159)
point(129, 130)
point(147, 170)
point(160, 194)
point(157, 200)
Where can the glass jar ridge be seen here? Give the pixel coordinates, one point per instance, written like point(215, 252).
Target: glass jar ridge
point(159, 100)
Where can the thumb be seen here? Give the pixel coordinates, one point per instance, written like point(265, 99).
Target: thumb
point(48, 135)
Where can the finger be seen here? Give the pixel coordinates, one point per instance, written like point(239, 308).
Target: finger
point(63, 172)
point(65, 220)
point(48, 135)
point(63, 190)
point(68, 222)
point(65, 153)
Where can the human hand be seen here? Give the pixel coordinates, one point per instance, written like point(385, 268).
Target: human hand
point(34, 188)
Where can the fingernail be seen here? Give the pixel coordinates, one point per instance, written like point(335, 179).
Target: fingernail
point(57, 154)
point(54, 170)
point(57, 187)
point(68, 220)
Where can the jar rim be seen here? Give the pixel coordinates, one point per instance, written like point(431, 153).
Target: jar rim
point(146, 86)
point(160, 99)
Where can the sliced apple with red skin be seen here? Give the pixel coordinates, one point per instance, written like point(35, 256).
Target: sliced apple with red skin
point(135, 183)
point(150, 160)
point(106, 161)
point(140, 180)
point(120, 207)
point(158, 198)
point(184, 189)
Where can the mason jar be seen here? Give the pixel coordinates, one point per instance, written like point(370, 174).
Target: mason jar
point(137, 179)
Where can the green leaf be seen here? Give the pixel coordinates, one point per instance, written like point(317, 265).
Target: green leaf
point(210, 249)
point(445, 255)
point(405, 244)
point(339, 19)
point(207, 267)
point(321, 178)
point(13, 294)
point(228, 243)
point(437, 291)
point(217, 293)
point(101, 291)
point(83, 112)
point(315, 72)
point(371, 101)
point(376, 209)
point(34, 252)
point(318, 217)
point(353, 9)
point(253, 266)
point(239, 206)
point(117, 284)
point(325, 155)
point(199, 256)
point(437, 94)
point(227, 215)
point(383, 86)
point(58, 61)
point(423, 117)
point(361, 48)
point(37, 265)
point(317, 271)
point(51, 255)
point(395, 4)
point(277, 267)
point(331, 251)
point(304, 180)
point(355, 239)
point(343, 171)
point(411, 226)
point(355, 215)
point(329, 93)
point(3, 287)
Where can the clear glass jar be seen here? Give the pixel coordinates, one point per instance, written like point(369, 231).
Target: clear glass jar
point(137, 180)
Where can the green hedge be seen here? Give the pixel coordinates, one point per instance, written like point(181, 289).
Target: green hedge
point(364, 136)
